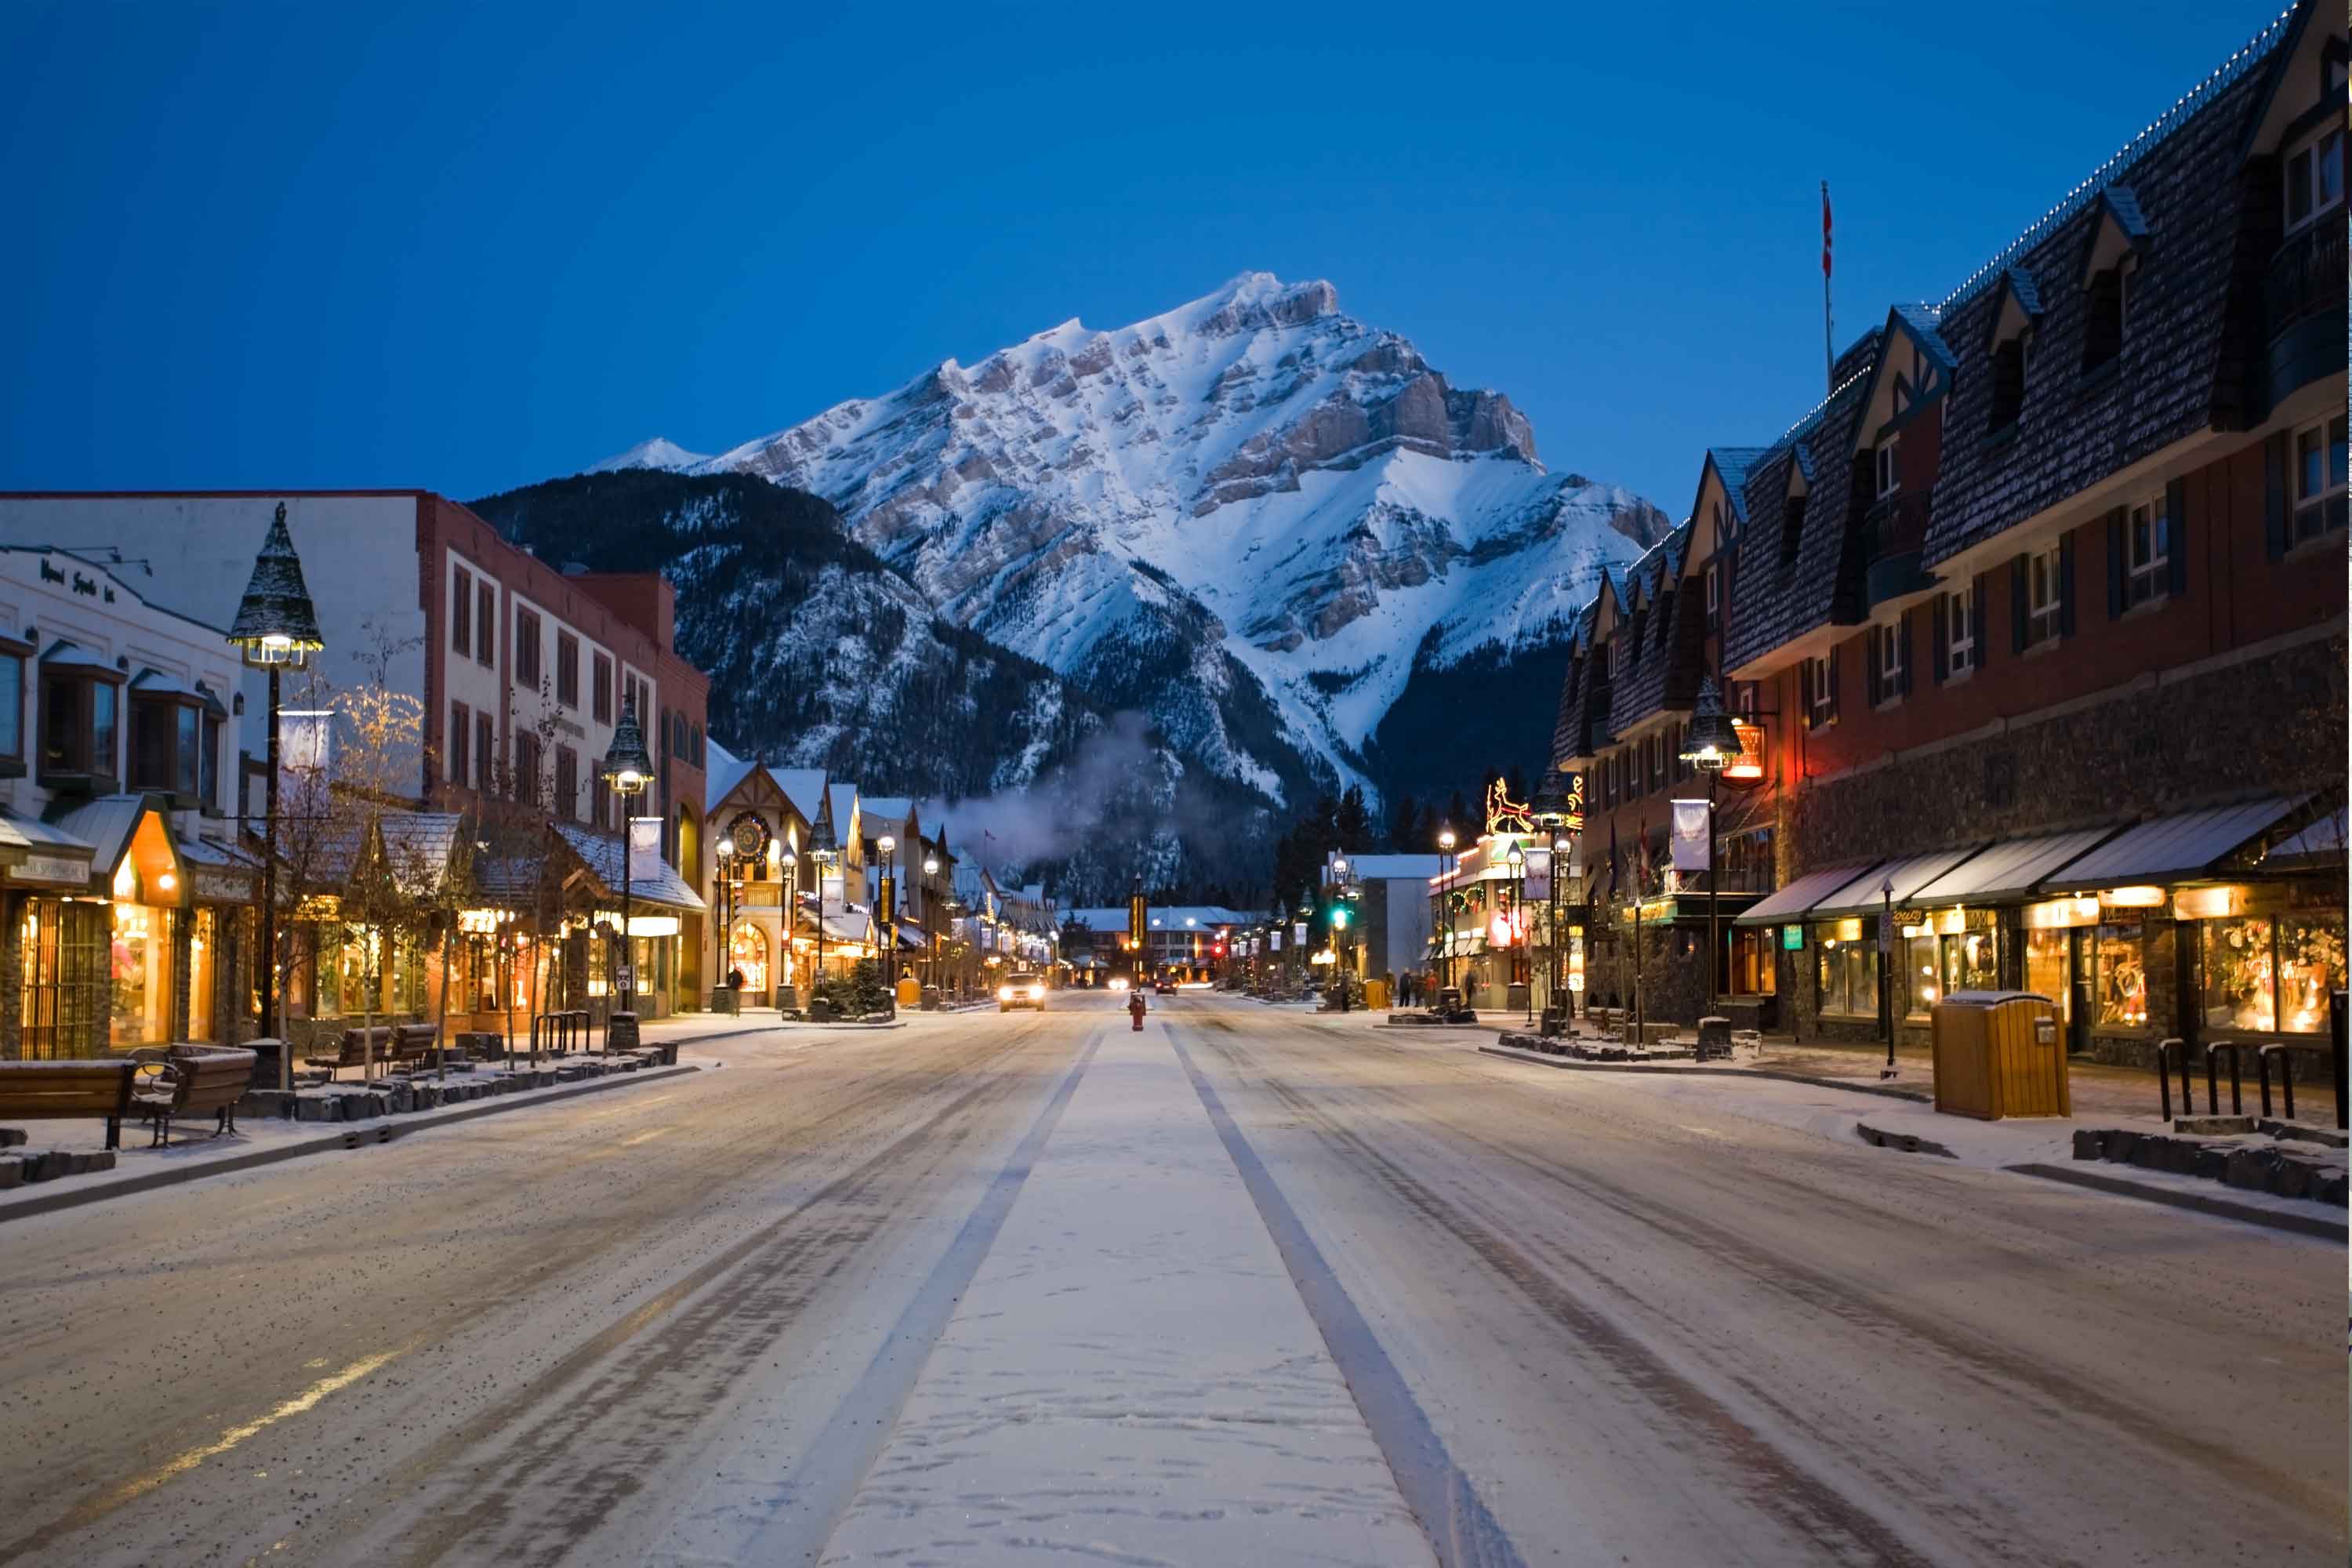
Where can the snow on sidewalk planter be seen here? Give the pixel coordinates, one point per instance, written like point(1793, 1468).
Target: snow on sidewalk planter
point(1131, 1376)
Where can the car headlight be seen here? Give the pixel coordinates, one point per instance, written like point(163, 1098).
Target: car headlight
point(1036, 993)
point(1004, 993)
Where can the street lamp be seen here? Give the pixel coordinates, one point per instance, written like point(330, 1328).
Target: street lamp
point(1517, 860)
point(1886, 967)
point(277, 628)
point(1445, 842)
point(726, 847)
point(932, 920)
point(1561, 845)
point(627, 770)
point(889, 923)
point(1709, 746)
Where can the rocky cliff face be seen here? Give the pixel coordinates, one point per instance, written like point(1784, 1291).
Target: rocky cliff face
point(1254, 518)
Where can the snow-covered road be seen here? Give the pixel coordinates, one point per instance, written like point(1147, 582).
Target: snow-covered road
point(1252, 1285)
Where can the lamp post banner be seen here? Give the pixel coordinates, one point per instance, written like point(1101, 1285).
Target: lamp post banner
point(1690, 845)
point(645, 848)
point(1537, 874)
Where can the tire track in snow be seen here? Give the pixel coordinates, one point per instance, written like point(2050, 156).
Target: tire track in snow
point(1461, 1529)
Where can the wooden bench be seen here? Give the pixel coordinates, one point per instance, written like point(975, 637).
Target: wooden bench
point(383, 1044)
point(194, 1079)
point(60, 1090)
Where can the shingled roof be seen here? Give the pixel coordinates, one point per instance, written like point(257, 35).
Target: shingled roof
point(1772, 602)
point(2170, 381)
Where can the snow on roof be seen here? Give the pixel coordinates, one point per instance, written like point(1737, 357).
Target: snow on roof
point(1383, 868)
point(804, 787)
point(600, 853)
point(725, 773)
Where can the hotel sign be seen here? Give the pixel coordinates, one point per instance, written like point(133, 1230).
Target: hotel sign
point(221, 887)
point(1748, 767)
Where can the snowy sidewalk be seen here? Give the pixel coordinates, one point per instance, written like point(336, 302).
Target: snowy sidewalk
point(1131, 1376)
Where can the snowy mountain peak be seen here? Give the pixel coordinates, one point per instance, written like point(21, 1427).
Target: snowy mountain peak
point(661, 452)
point(1251, 501)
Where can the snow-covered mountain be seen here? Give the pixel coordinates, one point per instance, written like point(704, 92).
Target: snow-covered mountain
point(1252, 517)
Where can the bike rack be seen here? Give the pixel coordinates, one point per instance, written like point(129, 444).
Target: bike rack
point(2168, 1051)
point(2286, 1075)
point(2237, 1100)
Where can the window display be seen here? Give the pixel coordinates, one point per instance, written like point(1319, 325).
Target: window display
point(2050, 968)
point(1919, 974)
point(2120, 976)
point(1968, 962)
point(142, 973)
point(2271, 975)
point(1847, 971)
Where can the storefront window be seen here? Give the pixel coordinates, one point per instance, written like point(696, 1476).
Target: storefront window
point(2271, 975)
point(1968, 962)
point(63, 950)
point(1752, 969)
point(1919, 974)
point(204, 955)
point(2120, 976)
point(1847, 971)
point(140, 966)
point(2049, 968)
point(2310, 967)
point(748, 951)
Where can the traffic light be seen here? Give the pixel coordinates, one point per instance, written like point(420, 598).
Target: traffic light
point(1340, 919)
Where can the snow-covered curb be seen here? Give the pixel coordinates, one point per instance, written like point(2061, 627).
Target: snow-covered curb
point(124, 1181)
point(1695, 1070)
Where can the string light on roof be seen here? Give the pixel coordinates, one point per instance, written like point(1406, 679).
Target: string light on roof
point(2229, 70)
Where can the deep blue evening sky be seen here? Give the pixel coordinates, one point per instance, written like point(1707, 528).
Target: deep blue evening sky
point(464, 248)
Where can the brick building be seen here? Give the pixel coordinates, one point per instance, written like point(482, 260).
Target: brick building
point(520, 667)
point(2037, 621)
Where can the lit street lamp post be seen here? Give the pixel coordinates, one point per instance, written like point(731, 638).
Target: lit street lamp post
point(932, 922)
point(627, 770)
point(275, 630)
point(887, 928)
point(1709, 747)
point(1517, 860)
point(1445, 842)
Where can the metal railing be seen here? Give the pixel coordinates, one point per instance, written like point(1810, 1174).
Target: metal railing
point(2168, 1051)
point(2305, 277)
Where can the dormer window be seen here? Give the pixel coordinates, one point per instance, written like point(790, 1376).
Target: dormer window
point(1793, 519)
point(2314, 179)
point(2008, 382)
point(1890, 472)
point(1714, 595)
point(2012, 358)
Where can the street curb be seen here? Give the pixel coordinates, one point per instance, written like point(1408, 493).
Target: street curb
point(2295, 1224)
point(1909, 1096)
point(384, 1132)
point(1904, 1142)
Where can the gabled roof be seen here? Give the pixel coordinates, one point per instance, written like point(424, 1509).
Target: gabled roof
point(1925, 324)
point(892, 808)
point(2018, 284)
point(804, 787)
point(105, 825)
point(2123, 204)
point(843, 800)
point(726, 773)
point(421, 848)
point(1733, 463)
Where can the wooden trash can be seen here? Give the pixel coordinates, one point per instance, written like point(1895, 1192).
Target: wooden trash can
point(1999, 1054)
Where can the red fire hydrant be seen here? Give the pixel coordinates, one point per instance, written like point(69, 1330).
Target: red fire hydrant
point(1135, 1009)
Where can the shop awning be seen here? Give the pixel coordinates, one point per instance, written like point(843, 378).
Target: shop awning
point(37, 852)
point(2322, 842)
point(2166, 848)
point(2011, 869)
point(220, 873)
point(1908, 875)
point(1791, 901)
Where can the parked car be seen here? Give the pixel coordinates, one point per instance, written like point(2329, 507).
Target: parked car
point(1163, 987)
point(1021, 991)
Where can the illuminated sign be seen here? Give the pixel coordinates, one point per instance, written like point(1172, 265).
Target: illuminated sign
point(1748, 767)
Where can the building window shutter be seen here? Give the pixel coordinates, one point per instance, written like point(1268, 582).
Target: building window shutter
point(1902, 630)
point(1982, 601)
point(1874, 685)
point(2066, 585)
point(2017, 571)
point(2274, 476)
point(2176, 525)
point(1939, 632)
point(1833, 683)
point(1805, 674)
point(2115, 563)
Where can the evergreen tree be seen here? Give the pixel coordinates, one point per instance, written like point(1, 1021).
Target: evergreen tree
point(1457, 817)
point(1405, 828)
point(1353, 822)
point(1517, 783)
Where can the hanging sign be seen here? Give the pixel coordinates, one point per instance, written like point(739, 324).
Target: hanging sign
point(1690, 835)
point(1536, 874)
point(1748, 767)
point(645, 849)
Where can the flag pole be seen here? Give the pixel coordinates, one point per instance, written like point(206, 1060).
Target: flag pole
point(1829, 354)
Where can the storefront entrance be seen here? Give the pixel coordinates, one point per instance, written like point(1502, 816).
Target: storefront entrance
point(747, 952)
